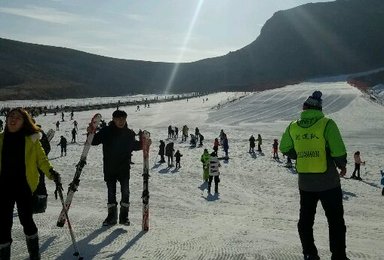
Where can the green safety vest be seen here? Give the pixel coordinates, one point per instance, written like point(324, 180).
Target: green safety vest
point(309, 144)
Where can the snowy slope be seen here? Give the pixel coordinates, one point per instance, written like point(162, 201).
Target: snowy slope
point(256, 212)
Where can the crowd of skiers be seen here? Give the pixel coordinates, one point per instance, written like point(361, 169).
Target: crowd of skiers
point(21, 134)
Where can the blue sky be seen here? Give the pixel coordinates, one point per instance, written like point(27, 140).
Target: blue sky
point(153, 30)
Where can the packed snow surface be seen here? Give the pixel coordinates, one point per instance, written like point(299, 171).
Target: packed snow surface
point(256, 212)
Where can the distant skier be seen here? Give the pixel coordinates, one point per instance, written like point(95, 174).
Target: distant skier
point(185, 133)
point(259, 143)
point(169, 153)
point(63, 145)
point(192, 142)
point(214, 173)
point(197, 132)
point(252, 144)
point(216, 145)
point(289, 162)
point(178, 156)
point(176, 133)
point(205, 160)
point(169, 131)
point(221, 136)
point(161, 151)
point(58, 126)
point(74, 133)
point(201, 139)
point(275, 147)
point(358, 162)
point(225, 146)
point(75, 125)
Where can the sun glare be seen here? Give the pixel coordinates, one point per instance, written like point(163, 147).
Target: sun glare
point(183, 48)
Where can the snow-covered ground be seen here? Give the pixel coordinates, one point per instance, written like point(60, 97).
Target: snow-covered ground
point(256, 212)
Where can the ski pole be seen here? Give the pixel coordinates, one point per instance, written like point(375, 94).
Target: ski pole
point(74, 243)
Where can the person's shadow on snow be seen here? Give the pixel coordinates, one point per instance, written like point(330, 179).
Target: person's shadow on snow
point(203, 186)
point(89, 250)
point(165, 170)
point(347, 195)
point(157, 165)
point(119, 254)
point(54, 158)
point(175, 170)
point(372, 184)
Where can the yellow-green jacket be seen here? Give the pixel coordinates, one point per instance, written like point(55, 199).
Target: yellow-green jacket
point(205, 159)
point(35, 159)
point(334, 147)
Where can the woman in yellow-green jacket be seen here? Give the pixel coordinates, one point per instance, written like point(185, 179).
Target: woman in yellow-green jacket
point(315, 142)
point(21, 155)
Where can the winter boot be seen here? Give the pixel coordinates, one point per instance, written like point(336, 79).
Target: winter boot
point(112, 215)
point(5, 251)
point(123, 216)
point(33, 247)
point(311, 257)
point(342, 257)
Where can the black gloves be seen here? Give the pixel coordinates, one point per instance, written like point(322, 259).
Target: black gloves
point(56, 176)
point(57, 180)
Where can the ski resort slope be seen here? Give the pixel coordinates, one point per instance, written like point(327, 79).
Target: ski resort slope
point(255, 214)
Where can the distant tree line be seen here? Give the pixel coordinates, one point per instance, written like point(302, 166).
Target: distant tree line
point(38, 110)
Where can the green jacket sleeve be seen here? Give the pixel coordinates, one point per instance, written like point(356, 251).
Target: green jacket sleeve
point(286, 142)
point(334, 140)
point(335, 144)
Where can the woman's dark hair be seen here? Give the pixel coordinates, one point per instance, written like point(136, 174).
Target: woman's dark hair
point(29, 127)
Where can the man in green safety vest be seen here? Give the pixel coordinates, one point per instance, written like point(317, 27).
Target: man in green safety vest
point(315, 142)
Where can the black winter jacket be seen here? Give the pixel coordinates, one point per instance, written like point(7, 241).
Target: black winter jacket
point(161, 148)
point(118, 145)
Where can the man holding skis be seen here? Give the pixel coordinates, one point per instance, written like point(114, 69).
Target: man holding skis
point(118, 144)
